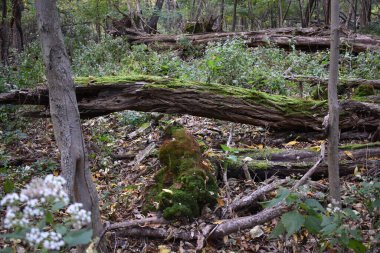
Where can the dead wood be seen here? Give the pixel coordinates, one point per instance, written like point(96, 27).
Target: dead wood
point(349, 83)
point(308, 39)
point(266, 163)
point(148, 94)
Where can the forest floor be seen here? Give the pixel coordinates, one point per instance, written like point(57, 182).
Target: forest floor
point(121, 184)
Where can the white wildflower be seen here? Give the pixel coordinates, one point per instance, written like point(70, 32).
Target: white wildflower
point(10, 199)
point(49, 240)
point(79, 216)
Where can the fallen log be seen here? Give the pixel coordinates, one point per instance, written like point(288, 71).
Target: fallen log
point(282, 163)
point(348, 83)
point(158, 94)
point(308, 39)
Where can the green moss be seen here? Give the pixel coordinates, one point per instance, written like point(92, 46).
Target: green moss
point(364, 90)
point(359, 146)
point(285, 104)
point(259, 165)
point(183, 186)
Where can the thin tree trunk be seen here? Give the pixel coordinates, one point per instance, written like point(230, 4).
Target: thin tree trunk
point(221, 16)
point(365, 13)
point(333, 123)
point(4, 34)
point(17, 34)
point(280, 18)
point(234, 16)
point(327, 10)
point(64, 112)
point(152, 24)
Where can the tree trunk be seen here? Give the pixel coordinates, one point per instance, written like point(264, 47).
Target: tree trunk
point(327, 11)
point(221, 17)
point(64, 112)
point(280, 18)
point(17, 34)
point(152, 24)
point(4, 34)
point(278, 113)
point(234, 18)
point(333, 115)
point(365, 13)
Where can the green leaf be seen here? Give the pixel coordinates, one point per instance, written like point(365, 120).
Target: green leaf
point(225, 148)
point(328, 229)
point(57, 206)
point(6, 250)
point(282, 194)
point(292, 222)
point(78, 237)
point(277, 231)
point(313, 224)
point(49, 217)
point(15, 235)
point(9, 186)
point(376, 203)
point(61, 229)
point(314, 204)
point(357, 246)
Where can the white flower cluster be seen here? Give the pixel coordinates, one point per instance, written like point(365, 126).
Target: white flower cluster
point(49, 240)
point(79, 216)
point(37, 193)
point(330, 209)
point(24, 210)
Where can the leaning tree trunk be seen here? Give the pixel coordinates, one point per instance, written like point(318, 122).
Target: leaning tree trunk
point(152, 24)
point(236, 104)
point(64, 112)
point(333, 116)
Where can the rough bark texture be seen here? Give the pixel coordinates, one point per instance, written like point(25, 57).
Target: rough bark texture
point(64, 112)
point(308, 39)
point(4, 31)
point(333, 118)
point(148, 94)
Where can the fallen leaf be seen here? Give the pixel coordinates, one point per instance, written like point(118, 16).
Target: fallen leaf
point(349, 154)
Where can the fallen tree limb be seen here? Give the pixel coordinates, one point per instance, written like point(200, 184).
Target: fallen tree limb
point(308, 39)
point(349, 83)
point(146, 93)
point(254, 196)
point(268, 162)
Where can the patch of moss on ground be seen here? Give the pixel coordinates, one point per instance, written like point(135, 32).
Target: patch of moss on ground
point(359, 146)
point(364, 90)
point(183, 186)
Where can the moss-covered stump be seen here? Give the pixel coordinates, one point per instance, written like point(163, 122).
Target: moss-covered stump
point(185, 184)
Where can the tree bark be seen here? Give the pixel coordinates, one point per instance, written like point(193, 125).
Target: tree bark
point(4, 34)
point(365, 13)
point(333, 116)
point(282, 163)
point(234, 18)
point(64, 112)
point(221, 16)
point(144, 93)
point(17, 33)
point(152, 24)
point(307, 39)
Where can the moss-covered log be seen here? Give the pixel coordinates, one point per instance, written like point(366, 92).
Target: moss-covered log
point(268, 162)
point(308, 39)
point(101, 96)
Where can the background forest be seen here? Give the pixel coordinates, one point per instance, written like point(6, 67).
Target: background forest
point(201, 120)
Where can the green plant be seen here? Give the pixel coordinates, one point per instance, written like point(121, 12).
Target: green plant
point(330, 225)
point(40, 218)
